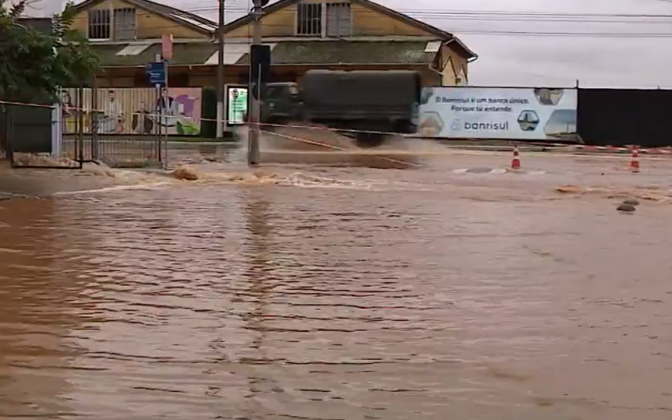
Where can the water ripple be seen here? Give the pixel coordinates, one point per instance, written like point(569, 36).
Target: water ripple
point(293, 301)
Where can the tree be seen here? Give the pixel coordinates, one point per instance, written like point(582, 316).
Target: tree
point(34, 64)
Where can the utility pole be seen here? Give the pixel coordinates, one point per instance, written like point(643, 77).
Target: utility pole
point(255, 111)
point(221, 111)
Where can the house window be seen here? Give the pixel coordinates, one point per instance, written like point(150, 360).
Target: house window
point(100, 24)
point(339, 19)
point(124, 24)
point(309, 19)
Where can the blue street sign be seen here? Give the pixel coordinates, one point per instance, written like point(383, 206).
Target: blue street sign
point(157, 73)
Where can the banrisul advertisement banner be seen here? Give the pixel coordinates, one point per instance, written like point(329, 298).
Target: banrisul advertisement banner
point(499, 113)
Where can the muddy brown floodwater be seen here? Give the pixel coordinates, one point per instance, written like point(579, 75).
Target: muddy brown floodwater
point(344, 293)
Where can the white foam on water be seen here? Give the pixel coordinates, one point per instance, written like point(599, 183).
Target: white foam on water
point(299, 179)
point(496, 171)
point(239, 154)
point(43, 160)
point(480, 171)
point(146, 187)
point(11, 251)
point(306, 145)
point(651, 194)
point(525, 172)
point(264, 176)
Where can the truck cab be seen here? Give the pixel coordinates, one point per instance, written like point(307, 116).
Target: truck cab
point(282, 103)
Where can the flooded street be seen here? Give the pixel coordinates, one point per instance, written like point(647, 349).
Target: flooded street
point(454, 290)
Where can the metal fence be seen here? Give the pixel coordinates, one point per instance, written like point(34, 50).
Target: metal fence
point(124, 152)
point(621, 117)
point(26, 135)
point(91, 128)
point(73, 132)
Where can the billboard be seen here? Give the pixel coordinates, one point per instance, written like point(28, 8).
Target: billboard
point(499, 113)
point(236, 104)
point(135, 111)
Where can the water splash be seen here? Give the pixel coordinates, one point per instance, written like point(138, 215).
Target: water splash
point(648, 193)
point(300, 179)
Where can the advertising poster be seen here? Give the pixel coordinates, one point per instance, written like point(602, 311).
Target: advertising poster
point(499, 113)
point(237, 102)
point(135, 111)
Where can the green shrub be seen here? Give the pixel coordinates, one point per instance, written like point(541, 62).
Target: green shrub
point(209, 113)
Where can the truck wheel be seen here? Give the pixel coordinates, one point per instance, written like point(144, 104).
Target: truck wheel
point(368, 140)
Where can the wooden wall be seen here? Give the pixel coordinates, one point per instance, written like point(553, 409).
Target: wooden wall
point(453, 64)
point(448, 73)
point(149, 25)
point(367, 22)
point(279, 24)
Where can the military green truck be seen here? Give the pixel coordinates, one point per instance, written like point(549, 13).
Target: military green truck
point(368, 106)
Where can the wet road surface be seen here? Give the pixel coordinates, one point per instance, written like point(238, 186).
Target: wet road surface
point(457, 290)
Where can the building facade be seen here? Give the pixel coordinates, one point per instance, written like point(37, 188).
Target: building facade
point(302, 34)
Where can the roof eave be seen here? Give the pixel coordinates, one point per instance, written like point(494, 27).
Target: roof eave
point(86, 4)
point(248, 18)
point(178, 21)
point(175, 66)
point(194, 16)
point(471, 55)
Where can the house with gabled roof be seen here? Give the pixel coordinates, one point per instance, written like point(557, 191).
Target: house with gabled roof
point(302, 34)
point(355, 34)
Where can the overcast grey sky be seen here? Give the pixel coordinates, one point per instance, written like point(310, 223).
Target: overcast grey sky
point(536, 60)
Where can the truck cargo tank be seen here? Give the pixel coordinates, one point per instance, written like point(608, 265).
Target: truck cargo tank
point(363, 107)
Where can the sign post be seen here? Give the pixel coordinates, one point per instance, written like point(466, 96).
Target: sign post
point(253, 153)
point(157, 72)
point(167, 46)
point(166, 54)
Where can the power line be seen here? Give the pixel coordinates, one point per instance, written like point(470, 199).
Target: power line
point(212, 5)
point(469, 13)
point(566, 34)
point(529, 33)
point(509, 17)
point(243, 6)
point(531, 19)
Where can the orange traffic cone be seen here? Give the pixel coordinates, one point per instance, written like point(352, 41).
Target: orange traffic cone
point(515, 163)
point(634, 163)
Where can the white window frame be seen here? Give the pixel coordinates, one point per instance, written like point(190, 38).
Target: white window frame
point(110, 23)
point(135, 25)
point(325, 19)
point(323, 14)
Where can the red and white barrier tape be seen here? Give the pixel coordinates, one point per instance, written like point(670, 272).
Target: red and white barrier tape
point(570, 147)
